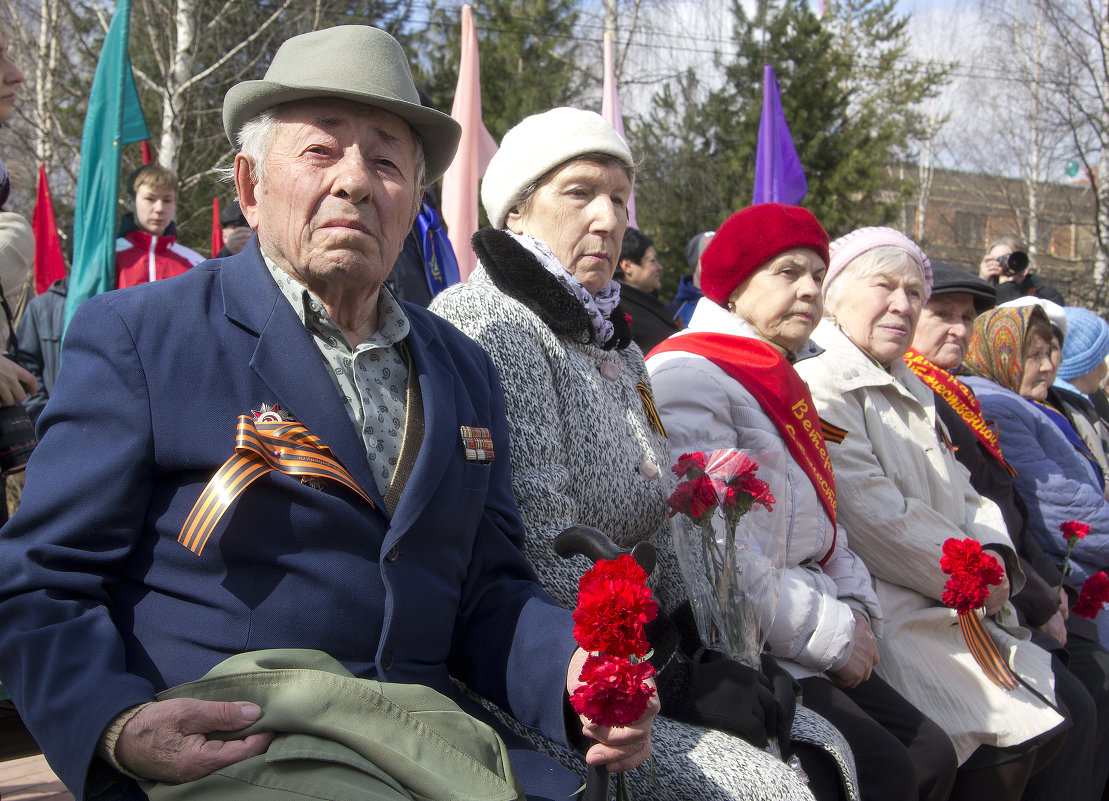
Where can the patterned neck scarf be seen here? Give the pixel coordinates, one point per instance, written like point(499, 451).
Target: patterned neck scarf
point(599, 307)
point(997, 348)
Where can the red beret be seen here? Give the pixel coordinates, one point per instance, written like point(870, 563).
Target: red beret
point(750, 238)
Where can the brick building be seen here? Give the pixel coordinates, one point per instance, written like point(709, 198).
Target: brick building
point(966, 211)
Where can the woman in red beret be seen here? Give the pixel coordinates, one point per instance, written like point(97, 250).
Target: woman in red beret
point(728, 382)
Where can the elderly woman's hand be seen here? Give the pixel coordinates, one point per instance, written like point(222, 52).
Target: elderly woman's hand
point(618, 748)
point(864, 656)
point(999, 593)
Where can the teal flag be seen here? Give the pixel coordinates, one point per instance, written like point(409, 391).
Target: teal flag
point(114, 119)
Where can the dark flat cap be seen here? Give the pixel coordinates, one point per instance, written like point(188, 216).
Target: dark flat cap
point(947, 279)
point(231, 214)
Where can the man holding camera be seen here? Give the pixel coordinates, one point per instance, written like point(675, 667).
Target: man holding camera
point(1006, 266)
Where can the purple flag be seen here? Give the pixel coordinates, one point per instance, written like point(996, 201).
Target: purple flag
point(778, 174)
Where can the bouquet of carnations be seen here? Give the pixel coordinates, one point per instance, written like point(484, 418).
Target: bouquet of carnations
point(730, 547)
point(973, 572)
point(614, 607)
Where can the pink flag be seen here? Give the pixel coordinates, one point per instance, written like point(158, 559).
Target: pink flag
point(475, 149)
point(610, 110)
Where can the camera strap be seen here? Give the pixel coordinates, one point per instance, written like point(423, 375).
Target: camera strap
point(13, 343)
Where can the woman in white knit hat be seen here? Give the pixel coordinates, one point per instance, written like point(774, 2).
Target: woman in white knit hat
point(902, 496)
point(587, 445)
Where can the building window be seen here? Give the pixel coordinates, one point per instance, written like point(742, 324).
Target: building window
point(970, 228)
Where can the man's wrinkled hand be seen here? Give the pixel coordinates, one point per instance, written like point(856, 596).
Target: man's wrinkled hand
point(1056, 627)
point(166, 741)
point(618, 748)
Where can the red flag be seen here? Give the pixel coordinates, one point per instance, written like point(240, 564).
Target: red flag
point(49, 264)
point(217, 229)
point(147, 157)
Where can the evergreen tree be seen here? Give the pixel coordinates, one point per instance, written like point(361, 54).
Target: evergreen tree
point(846, 121)
point(530, 58)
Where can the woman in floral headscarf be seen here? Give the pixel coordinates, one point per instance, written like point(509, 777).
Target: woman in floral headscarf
point(1056, 475)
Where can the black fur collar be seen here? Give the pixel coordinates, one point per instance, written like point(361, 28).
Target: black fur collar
point(518, 274)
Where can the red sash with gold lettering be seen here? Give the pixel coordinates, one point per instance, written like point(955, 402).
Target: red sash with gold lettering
point(959, 397)
point(774, 383)
point(261, 446)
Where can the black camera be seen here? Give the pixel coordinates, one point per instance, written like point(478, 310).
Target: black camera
point(17, 439)
point(1013, 263)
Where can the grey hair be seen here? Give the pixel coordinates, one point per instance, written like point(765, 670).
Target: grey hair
point(1007, 241)
point(605, 159)
point(257, 135)
point(872, 262)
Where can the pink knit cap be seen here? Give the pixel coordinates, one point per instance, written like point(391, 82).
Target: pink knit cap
point(850, 246)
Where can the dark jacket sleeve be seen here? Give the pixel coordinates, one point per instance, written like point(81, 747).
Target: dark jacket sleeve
point(513, 643)
point(65, 550)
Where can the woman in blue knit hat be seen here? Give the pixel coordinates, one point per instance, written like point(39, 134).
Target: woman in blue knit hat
point(1082, 372)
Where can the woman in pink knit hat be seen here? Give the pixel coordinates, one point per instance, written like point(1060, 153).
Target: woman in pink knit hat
point(902, 496)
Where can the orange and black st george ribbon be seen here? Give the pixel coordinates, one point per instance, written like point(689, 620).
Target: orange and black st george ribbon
point(985, 651)
point(261, 446)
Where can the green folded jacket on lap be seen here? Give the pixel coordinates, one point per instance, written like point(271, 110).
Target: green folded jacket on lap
point(342, 738)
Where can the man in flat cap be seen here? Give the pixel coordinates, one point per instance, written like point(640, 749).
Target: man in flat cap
point(270, 452)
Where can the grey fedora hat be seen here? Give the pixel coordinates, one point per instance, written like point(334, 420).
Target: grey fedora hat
point(353, 62)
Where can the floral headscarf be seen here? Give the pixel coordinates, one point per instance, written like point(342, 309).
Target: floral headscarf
point(997, 348)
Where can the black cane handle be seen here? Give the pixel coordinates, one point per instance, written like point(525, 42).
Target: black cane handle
point(595, 545)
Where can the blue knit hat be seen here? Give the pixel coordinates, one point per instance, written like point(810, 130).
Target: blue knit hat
point(1086, 345)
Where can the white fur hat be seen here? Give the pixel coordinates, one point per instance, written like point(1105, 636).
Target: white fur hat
point(537, 145)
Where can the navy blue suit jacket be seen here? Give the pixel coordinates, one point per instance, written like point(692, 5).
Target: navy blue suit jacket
point(100, 606)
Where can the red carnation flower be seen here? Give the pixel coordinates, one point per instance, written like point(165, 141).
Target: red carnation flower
point(746, 492)
point(690, 463)
point(614, 606)
point(614, 692)
point(1073, 530)
point(729, 464)
point(972, 573)
point(695, 497)
point(1093, 595)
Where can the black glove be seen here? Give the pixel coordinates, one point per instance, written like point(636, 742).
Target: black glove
point(706, 688)
point(720, 693)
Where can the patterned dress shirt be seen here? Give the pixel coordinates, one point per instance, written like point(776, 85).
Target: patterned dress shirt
point(371, 377)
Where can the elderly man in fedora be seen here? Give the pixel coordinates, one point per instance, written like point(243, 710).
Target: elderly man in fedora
point(270, 498)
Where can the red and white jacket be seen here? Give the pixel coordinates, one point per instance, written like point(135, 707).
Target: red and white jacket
point(141, 257)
